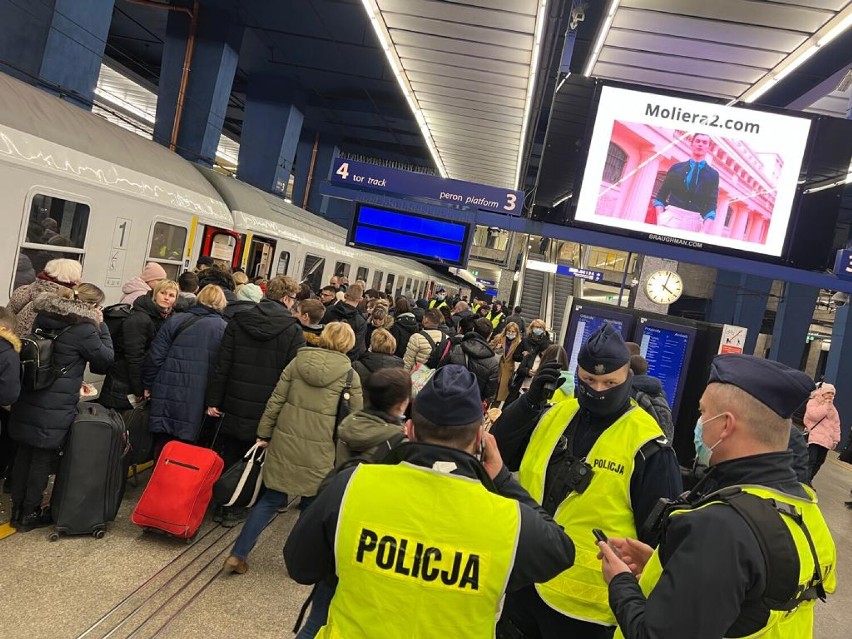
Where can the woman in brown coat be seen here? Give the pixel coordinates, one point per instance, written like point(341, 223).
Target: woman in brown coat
point(508, 342)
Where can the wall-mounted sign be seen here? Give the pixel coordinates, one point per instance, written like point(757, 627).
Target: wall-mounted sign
point(570, 271)
point(733, 339)
point(843, 264)
point(455, 193)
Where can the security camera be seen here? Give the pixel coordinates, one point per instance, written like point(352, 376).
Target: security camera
point(578, 15)
point(840, 299)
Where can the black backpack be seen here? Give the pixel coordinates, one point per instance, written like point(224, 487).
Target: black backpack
point(114, 317)
point(37, 369)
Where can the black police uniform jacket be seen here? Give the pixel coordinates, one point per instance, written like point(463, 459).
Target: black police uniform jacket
point(543, 549)
point(714, 547)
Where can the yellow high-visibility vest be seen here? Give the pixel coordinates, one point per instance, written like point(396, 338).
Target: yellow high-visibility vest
point(798, 623)
point(437, 304)
point(420, 553)
point(580, 592)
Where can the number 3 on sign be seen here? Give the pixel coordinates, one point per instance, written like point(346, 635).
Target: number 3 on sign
point(511, 199)
point(343, 171)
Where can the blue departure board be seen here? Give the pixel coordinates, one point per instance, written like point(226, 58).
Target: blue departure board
point(585, 320)
point(667, 349)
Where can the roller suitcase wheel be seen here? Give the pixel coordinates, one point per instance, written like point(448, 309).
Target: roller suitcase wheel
point(179, 491)
point(89, 484)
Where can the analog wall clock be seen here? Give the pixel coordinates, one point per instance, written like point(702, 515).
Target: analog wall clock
point(664, 287)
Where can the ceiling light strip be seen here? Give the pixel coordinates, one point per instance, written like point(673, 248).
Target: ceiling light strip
point(536, 55)
point(602, 34)
point(831, 30)
point(379, 26)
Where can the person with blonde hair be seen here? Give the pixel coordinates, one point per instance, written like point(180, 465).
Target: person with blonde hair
point(297, 428)
point(381, 355)
point(40, 419)
point(506, 344)
point(132, 342)
point(59, 276)
point(175, 371)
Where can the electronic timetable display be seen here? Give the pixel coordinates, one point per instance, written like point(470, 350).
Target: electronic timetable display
point(585, 320)
point(668, 348)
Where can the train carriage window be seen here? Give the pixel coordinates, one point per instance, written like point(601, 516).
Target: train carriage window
point(167, 245)
point(56, 228)
point(341, 269)
point(389, 284)
point(312, 273)
point(283, 263)
point(377, 280)
point(363, 272)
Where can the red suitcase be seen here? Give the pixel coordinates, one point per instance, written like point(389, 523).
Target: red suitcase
point(180, 489)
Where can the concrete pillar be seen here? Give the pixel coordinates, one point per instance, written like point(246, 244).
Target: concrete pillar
point(792, 322)
point(211, 77)
point(60, 41)
point(271, 129)
point(636, 202)
point(756, 227)
point(814, 351)
point(838, 370)
point(304, 152)
point(326, 154)
point(740, 299)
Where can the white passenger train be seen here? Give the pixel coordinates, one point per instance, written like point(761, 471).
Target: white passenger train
point(118, 201)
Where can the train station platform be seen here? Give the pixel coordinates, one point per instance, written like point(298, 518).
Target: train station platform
point(142, 585)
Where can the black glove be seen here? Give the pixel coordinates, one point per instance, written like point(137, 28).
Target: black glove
point(547, 374)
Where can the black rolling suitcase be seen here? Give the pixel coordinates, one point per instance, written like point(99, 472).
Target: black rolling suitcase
point(90, 481)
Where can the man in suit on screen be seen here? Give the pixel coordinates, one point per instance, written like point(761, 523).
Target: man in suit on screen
point(687, 197)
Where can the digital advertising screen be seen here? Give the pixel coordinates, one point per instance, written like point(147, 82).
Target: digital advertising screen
point(667, 347)
point(692, 173)
point(585, 320)
point(410, 235)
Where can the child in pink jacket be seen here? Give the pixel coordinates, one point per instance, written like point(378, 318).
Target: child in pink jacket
point(822, 425)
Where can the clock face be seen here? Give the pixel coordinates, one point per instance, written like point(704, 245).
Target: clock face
point(664, 287)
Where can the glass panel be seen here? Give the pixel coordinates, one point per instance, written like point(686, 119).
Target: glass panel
point(168, 242)
point(363, 272)
point(389, 285)
point(283, 263)
point(377, 280)
point(57, 222)
point(40, 257)
point(172, 270)
point(341, 269)
point(312, 273)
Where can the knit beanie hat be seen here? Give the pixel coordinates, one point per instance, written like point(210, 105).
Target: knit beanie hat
point(152, 271)
point(250, 292)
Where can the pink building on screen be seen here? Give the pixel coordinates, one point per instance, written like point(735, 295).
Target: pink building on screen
point(639, 156)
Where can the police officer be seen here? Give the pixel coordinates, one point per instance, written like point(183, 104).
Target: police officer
point(496, 315)
point(427, 543)
point(596, 460)
point(440, 299)
point(747, 551)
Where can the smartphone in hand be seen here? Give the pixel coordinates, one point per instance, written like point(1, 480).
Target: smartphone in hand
point(600, 535)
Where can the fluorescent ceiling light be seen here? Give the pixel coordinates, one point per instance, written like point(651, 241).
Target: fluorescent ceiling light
point(536, 54)
point(602, 34)
point(382, 33)
point(836, 30)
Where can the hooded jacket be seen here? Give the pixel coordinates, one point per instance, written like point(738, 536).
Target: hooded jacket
point(176, 371)
point(21, 303)
point(474, 353)
point(649, 394)
point(312, 334)
point(404, 326)
point(236, 307)
point(10, 367)
point(343, 312)
point(42, 418)
point(368, 434)
point(134, 288)
point(370, 362)
point(300, 417)
point(256, 347)
point(134, 339)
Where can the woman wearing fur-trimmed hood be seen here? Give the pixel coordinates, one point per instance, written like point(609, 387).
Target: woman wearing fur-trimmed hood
point(59, 276)
point(40, 420)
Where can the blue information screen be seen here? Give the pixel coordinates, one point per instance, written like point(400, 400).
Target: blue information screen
point(410, 235)
point(588, 323)
point(666, 351)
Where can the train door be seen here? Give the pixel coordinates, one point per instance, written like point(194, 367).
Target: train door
point(223, 246)
point(257, 261)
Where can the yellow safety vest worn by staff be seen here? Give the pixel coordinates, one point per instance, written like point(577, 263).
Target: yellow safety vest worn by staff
point(798, 623)
point(581, 592)
point(438, 304)
point(420, 553)
point(495, 319)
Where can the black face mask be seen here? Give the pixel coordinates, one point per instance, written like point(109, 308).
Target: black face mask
point(606, 402)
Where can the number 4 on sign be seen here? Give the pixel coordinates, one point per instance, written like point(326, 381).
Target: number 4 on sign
point(343, 171)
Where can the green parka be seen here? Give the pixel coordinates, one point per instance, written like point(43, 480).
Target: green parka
point(299, 418)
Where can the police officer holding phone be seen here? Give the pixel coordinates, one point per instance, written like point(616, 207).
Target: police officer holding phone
point(427, 543)
point(747, 552)
point(595, 460)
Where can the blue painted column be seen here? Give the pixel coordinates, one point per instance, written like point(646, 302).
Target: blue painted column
point(792, 323)
point(326, 154)
point(271, 128)
point(211, 77)
point(60, 41)
point(304, 152)
point(741, 300)
point(838, 370)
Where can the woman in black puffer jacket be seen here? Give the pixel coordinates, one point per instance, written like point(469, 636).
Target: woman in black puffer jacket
point(132, 343)
point(404, 325)
point(380, 355)
point(40, 420)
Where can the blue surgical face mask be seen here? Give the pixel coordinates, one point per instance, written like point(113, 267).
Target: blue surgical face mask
point(538, 331)
point(703, 453)
point(567, 379)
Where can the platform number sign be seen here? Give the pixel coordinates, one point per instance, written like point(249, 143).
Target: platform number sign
point(343, 171)
point(121, 233)
point(511, 202)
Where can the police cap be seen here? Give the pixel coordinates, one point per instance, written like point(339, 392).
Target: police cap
point(781, 388)
point(450, 398)
point(604, 351)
